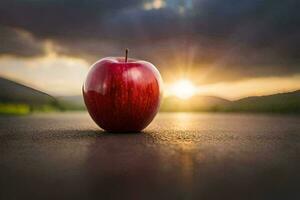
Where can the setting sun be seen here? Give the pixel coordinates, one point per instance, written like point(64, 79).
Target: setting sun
point(183, 89)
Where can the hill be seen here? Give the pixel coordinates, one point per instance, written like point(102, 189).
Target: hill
point(71, 102)
point(195, 103)
point(280, 103)
point(13, 92)
point(16, 98)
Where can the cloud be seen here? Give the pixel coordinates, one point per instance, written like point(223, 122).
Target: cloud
point(57, 75)
point(251, 87)
point(214, 40)
point(155, 4)
point(19, 42)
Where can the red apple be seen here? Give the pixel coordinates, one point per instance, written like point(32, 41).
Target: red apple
point(122, 95)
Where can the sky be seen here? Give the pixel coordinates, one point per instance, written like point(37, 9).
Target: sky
point(232, 48)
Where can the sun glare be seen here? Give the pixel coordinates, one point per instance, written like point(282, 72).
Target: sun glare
point(183, 89)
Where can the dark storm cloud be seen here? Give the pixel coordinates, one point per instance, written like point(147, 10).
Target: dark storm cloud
point(59, 18)
point(239, 38)
point(19, 42)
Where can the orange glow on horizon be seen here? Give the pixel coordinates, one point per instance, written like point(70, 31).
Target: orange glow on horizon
point(183, 89)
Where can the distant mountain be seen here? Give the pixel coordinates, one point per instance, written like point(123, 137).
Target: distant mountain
point(71, 102)
point(76, 100)
point(278, 103)
point(283, 103)
point(195, 103)
point(12, 92)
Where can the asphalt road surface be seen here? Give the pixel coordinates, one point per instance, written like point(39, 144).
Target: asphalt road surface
point(179, 156)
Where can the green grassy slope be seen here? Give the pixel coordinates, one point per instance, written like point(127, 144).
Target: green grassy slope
point(16, 98)
point(13, 92)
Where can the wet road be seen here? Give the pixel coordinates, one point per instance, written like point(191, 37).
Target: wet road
point(179, 156)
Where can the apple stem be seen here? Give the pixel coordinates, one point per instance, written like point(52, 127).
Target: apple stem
point(126, 54)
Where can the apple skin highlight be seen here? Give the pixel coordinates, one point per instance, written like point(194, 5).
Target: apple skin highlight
point(122, 95)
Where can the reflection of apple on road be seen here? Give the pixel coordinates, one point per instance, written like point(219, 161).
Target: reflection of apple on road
point(127, 165)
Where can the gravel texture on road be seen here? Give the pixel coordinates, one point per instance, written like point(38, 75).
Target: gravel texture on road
point(179, 156)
